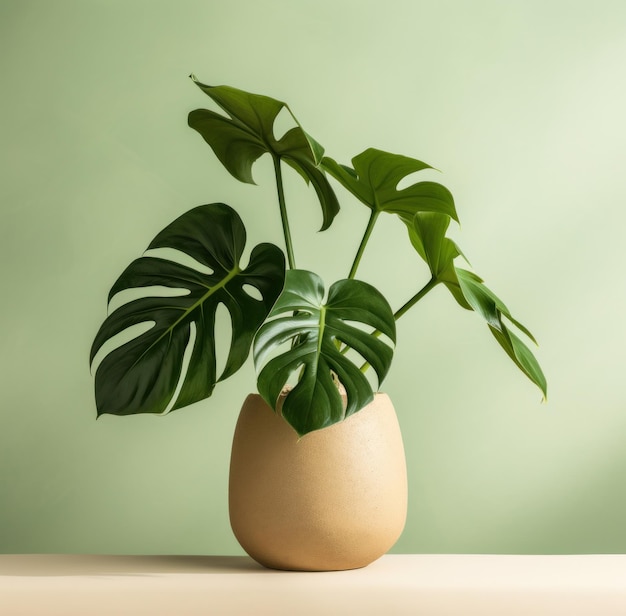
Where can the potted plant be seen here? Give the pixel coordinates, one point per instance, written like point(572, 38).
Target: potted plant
point(318, 478)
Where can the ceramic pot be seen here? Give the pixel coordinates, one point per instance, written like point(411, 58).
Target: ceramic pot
point(334, 499)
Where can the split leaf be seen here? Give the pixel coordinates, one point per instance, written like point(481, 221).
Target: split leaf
point(142, 375)
point(247, 132)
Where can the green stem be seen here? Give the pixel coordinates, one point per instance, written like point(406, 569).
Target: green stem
point(283, 213)
point(429, 286)
point(366, 237)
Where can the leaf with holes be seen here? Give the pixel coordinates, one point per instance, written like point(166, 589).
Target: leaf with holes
point(248, 132)
point(316, 330)
point(142, 375)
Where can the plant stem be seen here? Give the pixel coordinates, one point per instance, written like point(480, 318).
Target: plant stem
point(283, 213)
point(366, 237)
point(429, 286)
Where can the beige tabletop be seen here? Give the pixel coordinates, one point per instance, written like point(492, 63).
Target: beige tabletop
point(429, 585)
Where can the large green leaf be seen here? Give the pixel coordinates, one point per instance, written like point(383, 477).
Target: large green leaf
point(316, 330)
point(142, 375)
point(375, 178)
point(248, 132)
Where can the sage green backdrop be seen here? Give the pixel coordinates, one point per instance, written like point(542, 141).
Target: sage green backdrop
point(520, 104)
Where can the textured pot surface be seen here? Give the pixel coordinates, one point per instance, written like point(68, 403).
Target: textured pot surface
point(333, 499)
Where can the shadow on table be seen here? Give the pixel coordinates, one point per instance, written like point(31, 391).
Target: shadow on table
point(88, 564)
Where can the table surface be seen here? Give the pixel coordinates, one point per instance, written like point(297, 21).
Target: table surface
point(432, 585)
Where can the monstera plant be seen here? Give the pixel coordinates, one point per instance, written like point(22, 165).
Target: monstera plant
point(320, 344)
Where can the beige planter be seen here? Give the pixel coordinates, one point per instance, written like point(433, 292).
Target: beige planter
point(334, 499)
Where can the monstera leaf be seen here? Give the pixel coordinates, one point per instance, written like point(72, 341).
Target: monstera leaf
point(248, 132)
point(428, 236)
point(374, 182)
point(142, 375)
point(316, 330)
point(471, 292)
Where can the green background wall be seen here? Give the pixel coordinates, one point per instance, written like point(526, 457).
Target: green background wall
point(519, 103)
